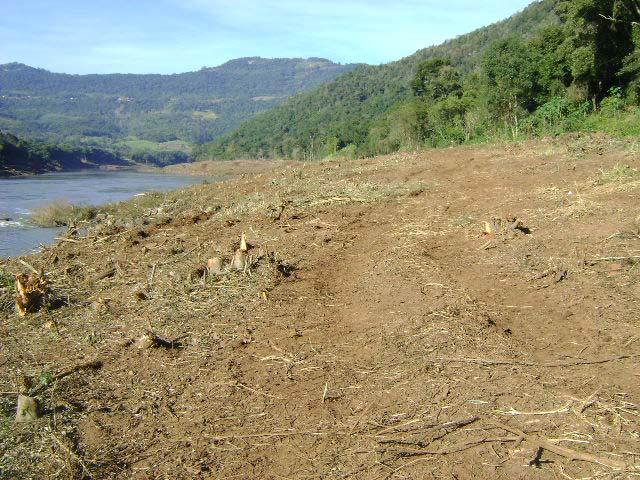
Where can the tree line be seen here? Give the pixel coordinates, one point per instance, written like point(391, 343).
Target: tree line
point(559, 66)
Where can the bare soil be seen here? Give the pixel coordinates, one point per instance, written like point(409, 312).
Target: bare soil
point(379, 333)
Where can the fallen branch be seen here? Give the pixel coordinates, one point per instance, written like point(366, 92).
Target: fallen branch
point(272, 434)
point(613, 259)
point(513, 411)
point(101, 276)
point(448, 426)
point(562, 451)
point(70, 240)
point(30, 267)
point(489, 362)
point(458, 447)
point(92, 365)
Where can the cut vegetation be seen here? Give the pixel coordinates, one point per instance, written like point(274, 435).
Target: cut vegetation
point(361, 312)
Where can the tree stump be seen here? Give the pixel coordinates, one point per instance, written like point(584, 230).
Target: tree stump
point(27, 409)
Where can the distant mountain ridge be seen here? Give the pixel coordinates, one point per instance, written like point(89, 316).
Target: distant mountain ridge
point(189, 107)
point(340, 113)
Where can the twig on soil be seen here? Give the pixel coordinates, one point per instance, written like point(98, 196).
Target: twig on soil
point(70, 240)
point(272, 434)
point(613, 259)
point(102, 239)
point(153, 274)
point(458, 447)
point(107, 273)
point(92, 365)
point(562, 451)
point(73, 454)
point(448, 425)
point(514, 412)
point(489, 362)
point(30, 267)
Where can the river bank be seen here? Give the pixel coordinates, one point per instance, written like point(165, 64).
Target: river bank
point(21, 196)
point(459, 313)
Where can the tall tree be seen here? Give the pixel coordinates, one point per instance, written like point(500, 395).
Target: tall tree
point(511, 80)
point(436, 79)
point(599, 37)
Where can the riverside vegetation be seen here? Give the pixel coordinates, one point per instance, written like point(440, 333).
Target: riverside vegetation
point(19, 156)
point(557, 67)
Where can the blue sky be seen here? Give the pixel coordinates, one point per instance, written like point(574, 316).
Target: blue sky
point(170, 36)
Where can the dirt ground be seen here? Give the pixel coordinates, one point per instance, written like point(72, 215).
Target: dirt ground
point(379, 332)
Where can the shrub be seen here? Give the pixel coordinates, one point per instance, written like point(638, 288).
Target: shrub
point(613, 105)
point(60, 214)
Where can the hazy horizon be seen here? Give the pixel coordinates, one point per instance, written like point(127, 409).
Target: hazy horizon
point(171, 36)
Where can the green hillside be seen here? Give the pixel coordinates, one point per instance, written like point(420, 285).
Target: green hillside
point(556, 66)
point(190, 107)
point(341, 112)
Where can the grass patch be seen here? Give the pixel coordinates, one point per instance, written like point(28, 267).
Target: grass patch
point(619, 174)
point(6, 280)
point(617, 124)
point(135, 207)
point(60, 214)
point(205, 115)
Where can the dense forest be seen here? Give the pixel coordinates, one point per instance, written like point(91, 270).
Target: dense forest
point(150, 117)
point(557, 66)
point(19, 156)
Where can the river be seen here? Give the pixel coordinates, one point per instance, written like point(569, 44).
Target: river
point(20, 195)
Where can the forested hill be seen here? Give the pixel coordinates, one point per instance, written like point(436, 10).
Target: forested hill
point(342, 112)
point(18, 157)
point(189, 107)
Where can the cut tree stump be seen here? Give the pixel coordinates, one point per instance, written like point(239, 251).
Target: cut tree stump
point(27, 410)
point(214, 266)
point(31, 292)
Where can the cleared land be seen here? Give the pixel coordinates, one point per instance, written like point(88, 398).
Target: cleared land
point(378, 334)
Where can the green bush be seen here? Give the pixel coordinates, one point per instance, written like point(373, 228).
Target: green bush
point(613, 105)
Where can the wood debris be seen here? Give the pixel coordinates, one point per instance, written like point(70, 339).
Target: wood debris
point(214, 266)
point(32, 292)
point(501, 226)
point(27, 410)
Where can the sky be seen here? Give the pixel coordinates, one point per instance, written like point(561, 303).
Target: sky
point(172, 36)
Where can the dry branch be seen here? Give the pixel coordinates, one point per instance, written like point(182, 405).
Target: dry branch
point(490, 362)
point(562, 451)
point(613, 259)
point(92, 365)
point(101, 276)
point(458, 447)
point(451, 426)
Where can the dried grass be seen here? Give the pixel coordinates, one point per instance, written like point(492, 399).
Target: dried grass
point(60, 214)
point(619, 174)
